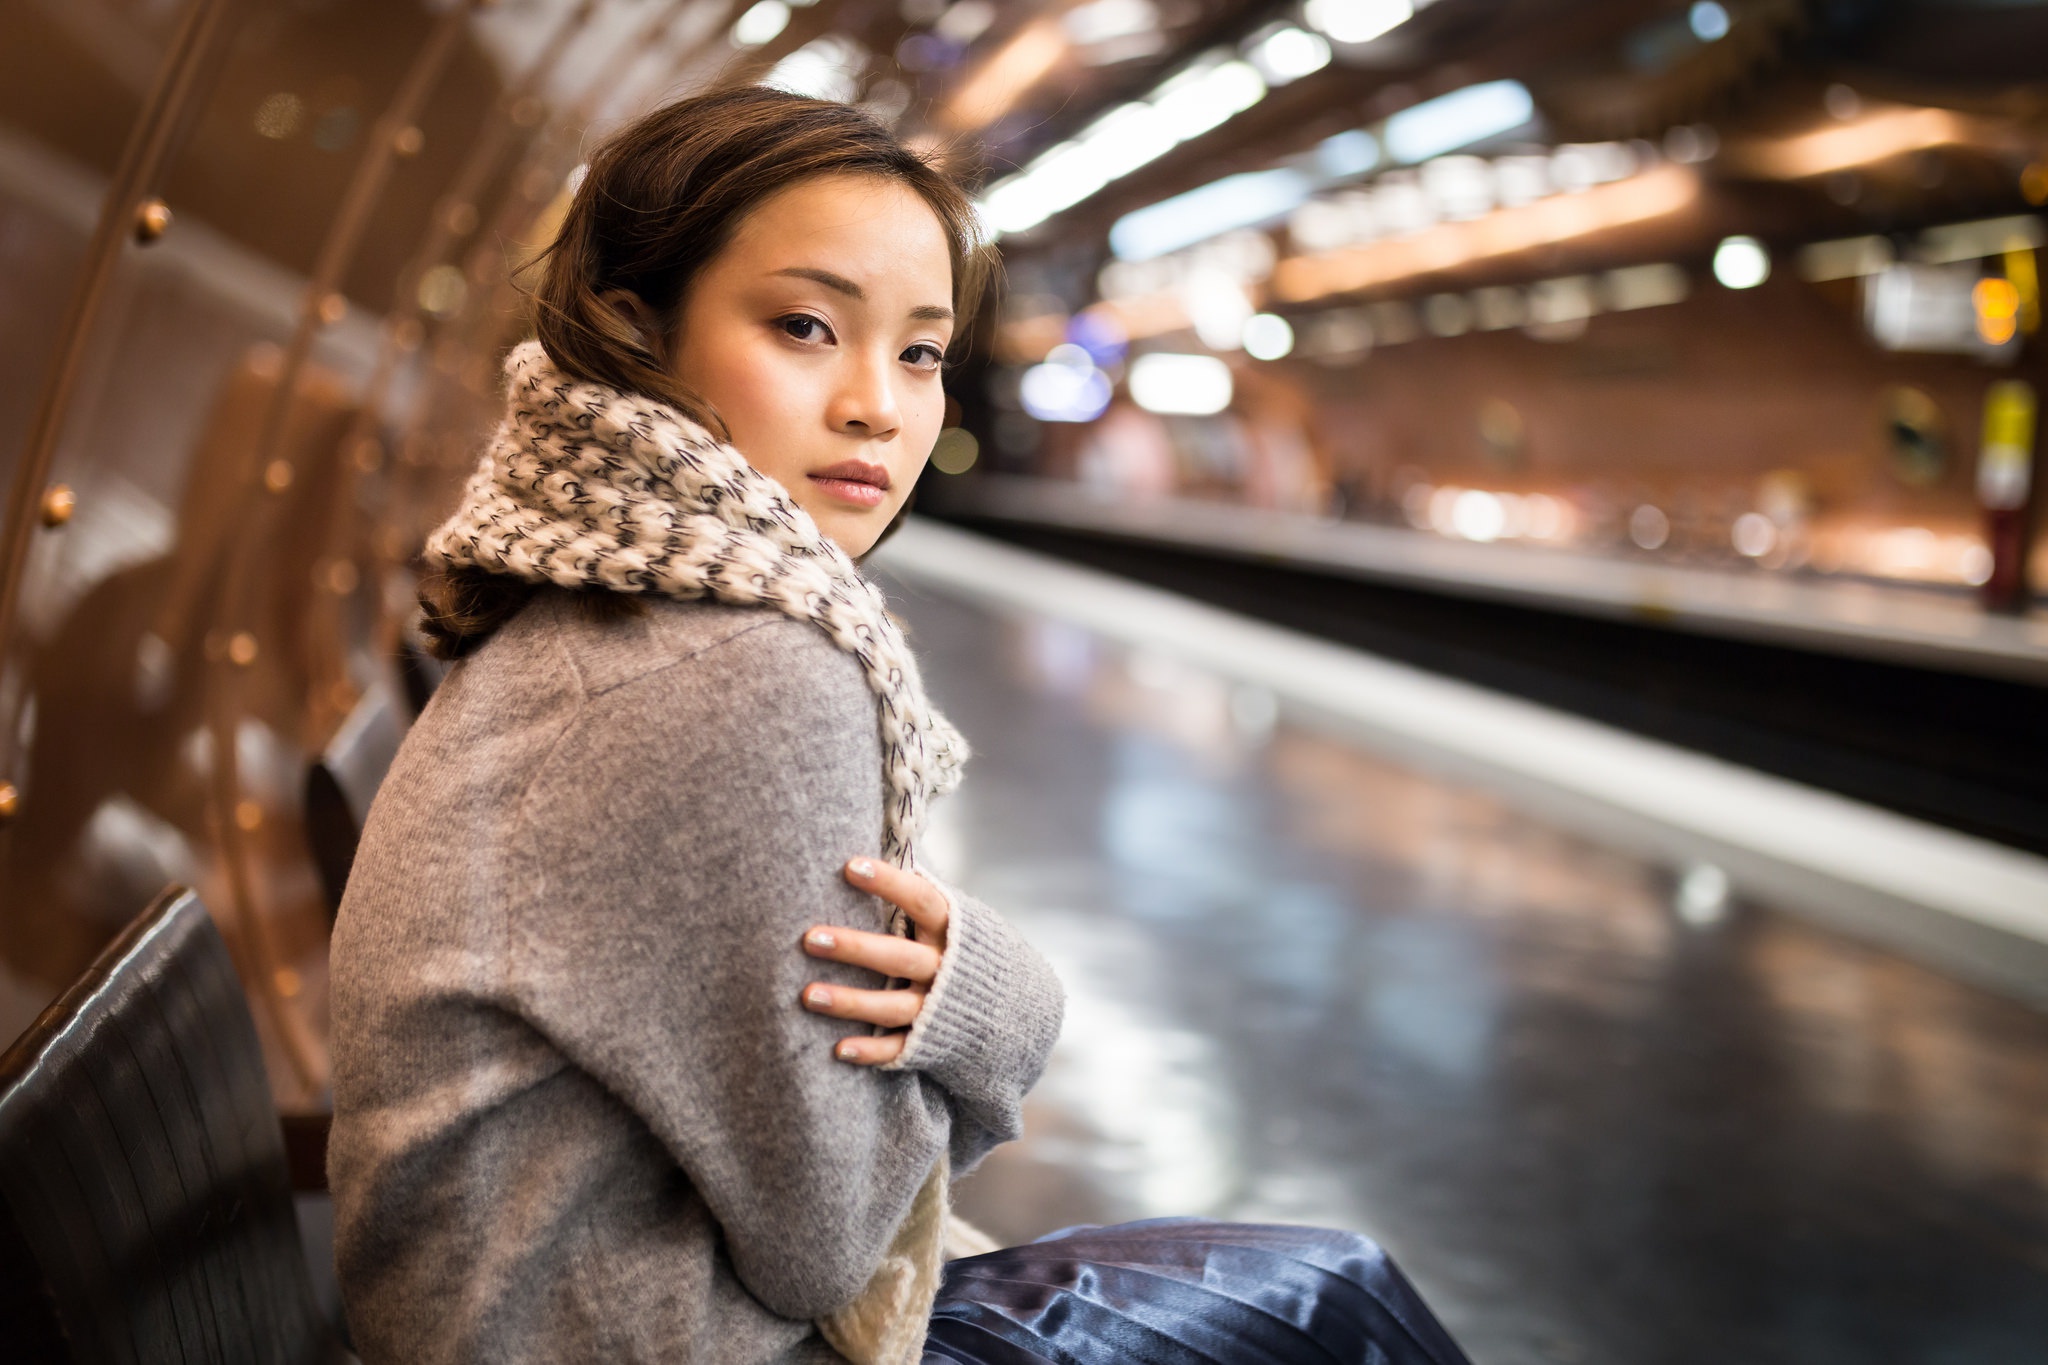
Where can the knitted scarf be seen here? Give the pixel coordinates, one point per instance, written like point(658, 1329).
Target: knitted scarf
point(587, 486)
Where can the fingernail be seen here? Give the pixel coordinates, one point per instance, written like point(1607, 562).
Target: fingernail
point(861, 867)
point(819, 996)
point(849, 1052)
point(822, 938)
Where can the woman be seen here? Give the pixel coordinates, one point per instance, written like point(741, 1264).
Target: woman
point(651, 1041)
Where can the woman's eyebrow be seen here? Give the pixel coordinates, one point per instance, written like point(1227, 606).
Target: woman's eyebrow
point(839, 284)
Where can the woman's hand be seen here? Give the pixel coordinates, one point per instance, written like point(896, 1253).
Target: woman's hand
point(915, 960)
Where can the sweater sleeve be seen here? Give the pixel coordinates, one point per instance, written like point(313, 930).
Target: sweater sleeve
point(685, 831)
point(986, 1028)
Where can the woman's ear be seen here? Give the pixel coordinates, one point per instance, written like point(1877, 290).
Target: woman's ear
point(636, 314)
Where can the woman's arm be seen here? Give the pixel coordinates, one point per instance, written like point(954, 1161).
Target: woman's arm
point(687, 830)
point(981, 1007)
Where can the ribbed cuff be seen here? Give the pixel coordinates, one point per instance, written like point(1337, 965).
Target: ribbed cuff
point(973, 1001)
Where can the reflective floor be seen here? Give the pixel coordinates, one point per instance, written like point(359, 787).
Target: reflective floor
point(1599, 1115)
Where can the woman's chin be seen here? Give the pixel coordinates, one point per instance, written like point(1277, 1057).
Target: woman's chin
point(852, 531)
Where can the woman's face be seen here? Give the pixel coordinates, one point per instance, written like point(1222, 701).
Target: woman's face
point(817, 334)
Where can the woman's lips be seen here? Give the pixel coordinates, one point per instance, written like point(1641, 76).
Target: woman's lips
point(854, 482)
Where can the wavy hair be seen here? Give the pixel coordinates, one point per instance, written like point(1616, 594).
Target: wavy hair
point(657, 203)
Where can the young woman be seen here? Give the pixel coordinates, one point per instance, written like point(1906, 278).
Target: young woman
point(651, 1040)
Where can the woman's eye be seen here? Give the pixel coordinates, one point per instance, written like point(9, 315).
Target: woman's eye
point(802, 326)
point(924, 357)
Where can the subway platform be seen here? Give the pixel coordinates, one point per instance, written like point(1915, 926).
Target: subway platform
point(1604, 1106)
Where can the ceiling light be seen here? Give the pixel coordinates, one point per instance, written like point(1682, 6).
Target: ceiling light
point(1056, 392)
point(827, 68)
point(1855, 144)
point(1458, 119)
point(965, 21)
point(1288, 54)
point(1188, 105)
point(1358, 21)
point(1501, 233)
point(1267, 336)
point(1186, 385)
point(1709, 20)
point(1007, 76)
point(760, 24)
point(1741, 262)
point(1102, 21)
point(1236, 201)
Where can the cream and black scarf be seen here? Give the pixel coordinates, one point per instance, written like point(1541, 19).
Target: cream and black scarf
point(586, 486)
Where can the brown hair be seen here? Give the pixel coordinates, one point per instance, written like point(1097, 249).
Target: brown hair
point(657, 203)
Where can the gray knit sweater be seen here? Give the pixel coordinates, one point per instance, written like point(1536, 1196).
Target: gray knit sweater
point(579, 1113)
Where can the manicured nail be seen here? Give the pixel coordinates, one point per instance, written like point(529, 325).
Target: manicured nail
point(822, 938)
point(849, 1052)
point(862, 868)
point(818, 996)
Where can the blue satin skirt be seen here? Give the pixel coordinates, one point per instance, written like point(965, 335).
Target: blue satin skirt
point(1178, 1291)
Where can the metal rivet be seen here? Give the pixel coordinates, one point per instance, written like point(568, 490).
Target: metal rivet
point(278, 476)
point(10, 801)
point(152, 220)
point(59, 502)
point(333, 309)
point(408, 141)
point(242, 649)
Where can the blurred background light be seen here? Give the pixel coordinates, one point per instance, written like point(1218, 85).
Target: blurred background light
point(760, 24)
point(1869, 139)
point(827, 68)
point(1218, 308)
point(1007, 76)
point(1701, 896)
point(1236, 201)
point(1267, 336)
point(1648, 527)
point(1709, 20)
point(968, 19)
point(1458, 119)
point(1479, 515)
point(1644, 286)
point(277, 118)
point(1187, 385)
point(1191, 103)
point(1753, 535)
point(1105, 21)
point(1288, 54)
point(955, 451)
point(1067, 388)
point(1342, 156)
point(1098, 332)
point(1358, 21)
point(1741, 262)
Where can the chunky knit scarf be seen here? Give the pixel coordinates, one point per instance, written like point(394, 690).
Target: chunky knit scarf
point(589, 487)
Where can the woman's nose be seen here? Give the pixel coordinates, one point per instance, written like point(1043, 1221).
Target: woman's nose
point(865, 404)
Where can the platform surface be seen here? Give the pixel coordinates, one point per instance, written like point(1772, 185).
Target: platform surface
point(1312, 983)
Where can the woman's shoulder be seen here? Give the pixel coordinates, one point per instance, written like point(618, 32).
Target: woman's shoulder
point(682, 659)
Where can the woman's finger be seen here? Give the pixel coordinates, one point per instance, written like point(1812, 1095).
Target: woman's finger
point(890, 1009)
point(870, 1051)
point(884, 953)
point(914, 895)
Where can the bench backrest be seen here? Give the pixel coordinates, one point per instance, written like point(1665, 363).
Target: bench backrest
point(145, 1213)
